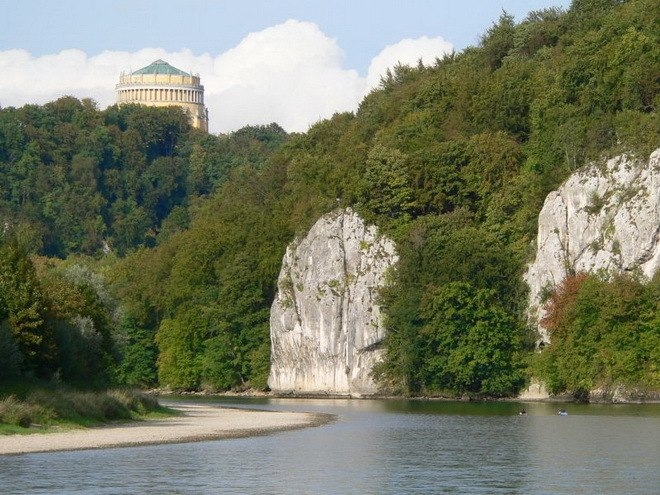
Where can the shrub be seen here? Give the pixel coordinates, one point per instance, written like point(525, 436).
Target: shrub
point(23, 414)
point(84, 407)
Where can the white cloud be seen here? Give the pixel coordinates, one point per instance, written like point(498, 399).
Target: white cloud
point(291, 74)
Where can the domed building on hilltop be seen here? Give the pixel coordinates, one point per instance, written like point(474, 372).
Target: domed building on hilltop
point(161, 85)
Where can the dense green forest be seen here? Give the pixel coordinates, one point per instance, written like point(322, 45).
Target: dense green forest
point(137, 251)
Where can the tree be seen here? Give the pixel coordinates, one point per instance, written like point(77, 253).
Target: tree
point(603, 333)
point(22, 308)
point(471, 344)
point(160, 129)
point(137, 364)
point(10, 356)
point(80, 312)
point(442, 261)
point(386, 187)
point(498, 41)
point(179, 344)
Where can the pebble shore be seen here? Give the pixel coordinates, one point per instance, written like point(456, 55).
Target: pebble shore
point(196, 423)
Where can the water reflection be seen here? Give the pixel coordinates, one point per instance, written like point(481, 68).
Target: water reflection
point(378, 447)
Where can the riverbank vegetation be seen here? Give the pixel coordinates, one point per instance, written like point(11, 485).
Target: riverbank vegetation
point(26, 409)
point(137, 251)
point(605, 333)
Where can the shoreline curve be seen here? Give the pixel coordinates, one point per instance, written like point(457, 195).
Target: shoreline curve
point(196, 423)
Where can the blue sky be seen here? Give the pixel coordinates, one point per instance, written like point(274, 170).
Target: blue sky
point(290, 61)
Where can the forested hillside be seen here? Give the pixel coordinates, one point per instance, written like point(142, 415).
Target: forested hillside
point(184, 232)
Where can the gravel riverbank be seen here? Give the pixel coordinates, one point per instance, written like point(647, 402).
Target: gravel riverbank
point(196, 423)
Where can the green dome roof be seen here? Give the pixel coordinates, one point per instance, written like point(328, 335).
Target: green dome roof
point(160, 67)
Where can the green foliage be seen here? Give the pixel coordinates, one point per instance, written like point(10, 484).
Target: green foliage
point(603, 333)
point(498, 41)
point(211, 158)
point(85, 180)
point(540, 29)
point(10, 356)
point(22, 309)
point(80, 311)
point(50, 406)
point(450, 262)
point(219, 290)
point(385, 186)
point(137, 366)
point(469, 342)
point(55, 321)
point(178, 362)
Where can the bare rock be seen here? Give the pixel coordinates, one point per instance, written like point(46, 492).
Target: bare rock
point(605, 217)
point(325, 324)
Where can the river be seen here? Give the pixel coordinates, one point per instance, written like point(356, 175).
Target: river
point(379, 447)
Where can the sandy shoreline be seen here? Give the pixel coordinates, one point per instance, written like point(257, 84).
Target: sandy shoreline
point(197, 423)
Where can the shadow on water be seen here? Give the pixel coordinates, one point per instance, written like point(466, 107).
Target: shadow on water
point(508, 408)
point(426, 406)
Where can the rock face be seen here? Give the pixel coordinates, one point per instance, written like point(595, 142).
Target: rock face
point(325, 323)
point(605, 217)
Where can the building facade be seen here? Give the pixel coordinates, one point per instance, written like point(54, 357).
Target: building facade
point(160, 85)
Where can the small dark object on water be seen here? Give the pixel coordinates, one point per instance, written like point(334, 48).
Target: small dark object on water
point(522, 413)
point(562, 412)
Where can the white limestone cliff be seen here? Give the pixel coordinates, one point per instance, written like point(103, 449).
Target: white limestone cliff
point(325, 324)
point(605, 217)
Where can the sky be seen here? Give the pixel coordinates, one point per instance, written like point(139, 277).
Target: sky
point(293, 62)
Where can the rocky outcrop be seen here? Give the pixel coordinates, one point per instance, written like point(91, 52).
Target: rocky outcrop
point(325, 324)
point(605, 217)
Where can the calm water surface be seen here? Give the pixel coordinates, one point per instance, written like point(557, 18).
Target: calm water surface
point(379, 447)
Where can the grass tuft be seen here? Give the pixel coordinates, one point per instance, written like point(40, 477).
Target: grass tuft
point(46, 407)
point(18, 413)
